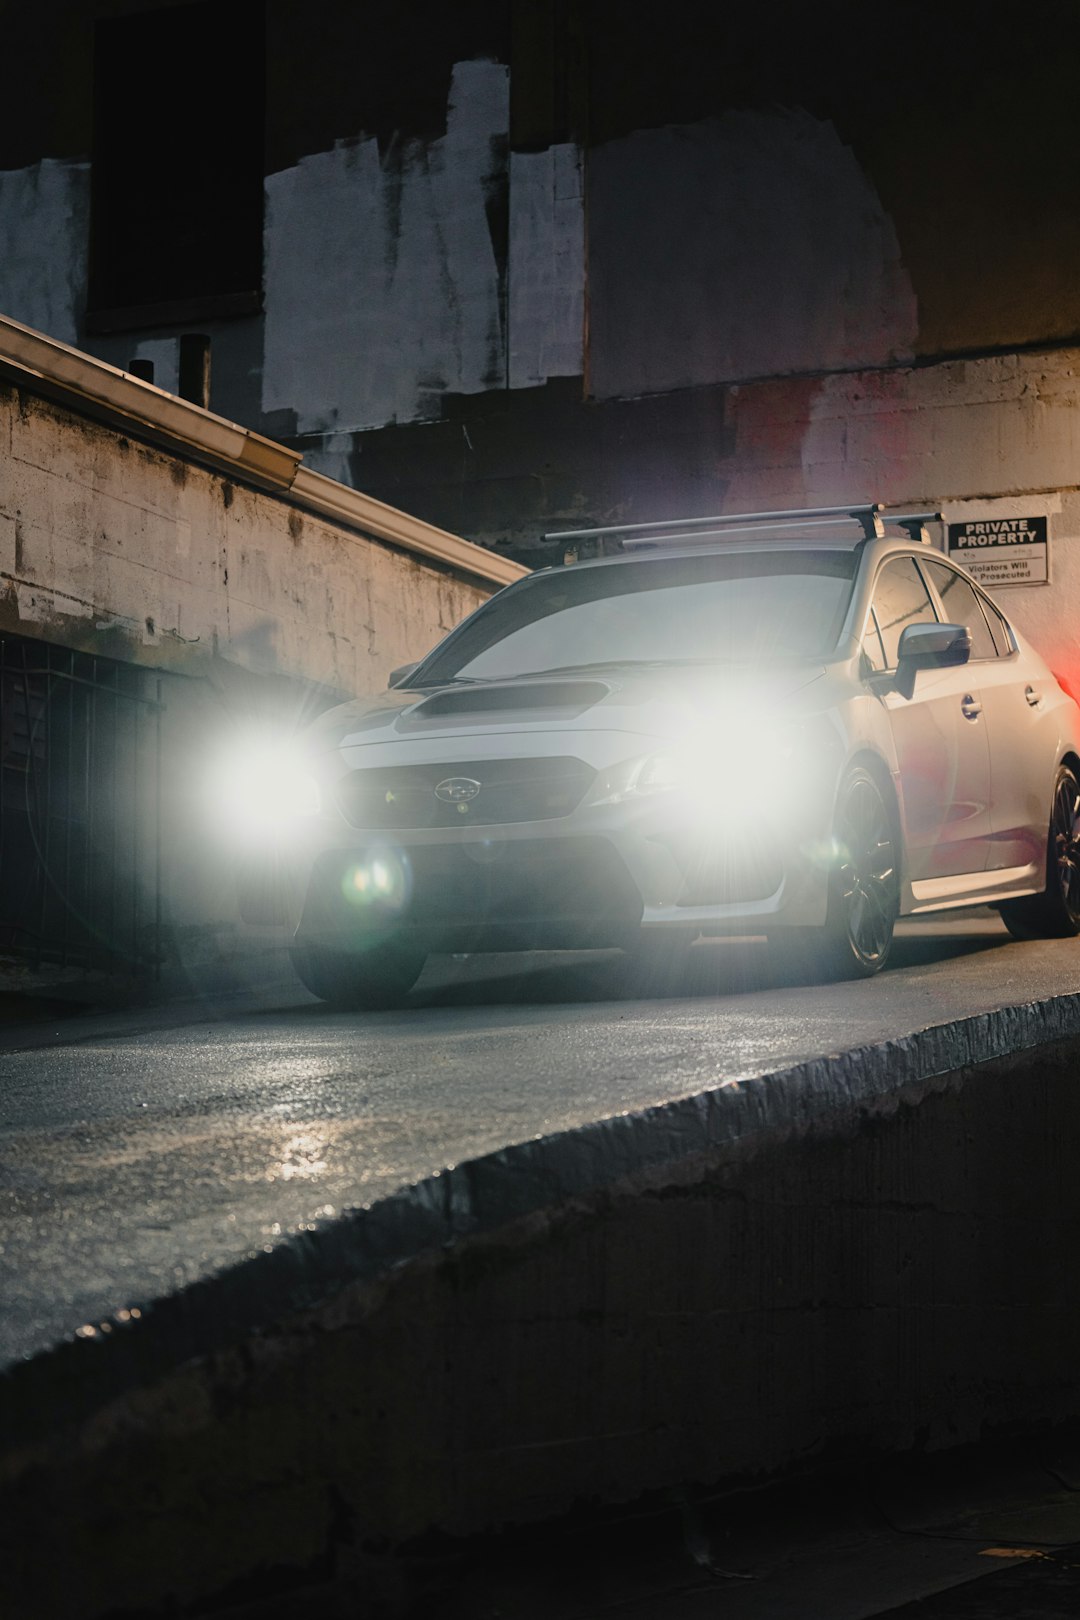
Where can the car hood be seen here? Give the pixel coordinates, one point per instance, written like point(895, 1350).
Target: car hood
point(655, 704)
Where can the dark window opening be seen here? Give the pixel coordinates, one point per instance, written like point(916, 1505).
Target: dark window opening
point(177, 173)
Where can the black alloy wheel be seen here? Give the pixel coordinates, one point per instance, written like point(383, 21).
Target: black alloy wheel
point(1055, 913)
point(867, 891)
point(864, 892)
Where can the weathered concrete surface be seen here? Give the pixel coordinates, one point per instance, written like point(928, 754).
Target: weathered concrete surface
point(868, 1249)
point(252, 611)
point(786, 261)
point(118, 548)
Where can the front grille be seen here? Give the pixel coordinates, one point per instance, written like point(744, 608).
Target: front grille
point(504, 790)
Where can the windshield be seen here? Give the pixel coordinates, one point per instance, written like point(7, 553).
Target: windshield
point(735, 608)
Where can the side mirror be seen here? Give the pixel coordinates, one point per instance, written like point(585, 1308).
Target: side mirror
point(929, 646)
point(934, 646)
point(402, 673)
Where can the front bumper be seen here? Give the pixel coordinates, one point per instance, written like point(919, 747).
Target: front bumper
point(590, 880)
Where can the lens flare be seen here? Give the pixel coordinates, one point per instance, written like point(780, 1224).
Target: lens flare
point(380, 882)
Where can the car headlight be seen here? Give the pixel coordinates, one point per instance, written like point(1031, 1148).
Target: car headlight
point(263, 791)
point(713, 766)
point(728, 780)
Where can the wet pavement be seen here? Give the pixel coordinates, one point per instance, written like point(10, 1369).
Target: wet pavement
point(140, 1152)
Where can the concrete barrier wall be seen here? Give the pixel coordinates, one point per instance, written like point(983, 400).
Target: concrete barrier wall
point(251, 609)
point(116, 547)
point(873, 1251)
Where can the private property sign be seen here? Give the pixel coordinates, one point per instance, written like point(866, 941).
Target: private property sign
point(1002, 550)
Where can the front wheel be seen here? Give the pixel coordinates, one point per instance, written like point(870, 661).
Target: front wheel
point(864, 892)
point(358, 979)
point(1055, 913)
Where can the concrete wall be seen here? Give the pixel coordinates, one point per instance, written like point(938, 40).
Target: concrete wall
point(252, 610)
point(112, 546)
point(745, 246)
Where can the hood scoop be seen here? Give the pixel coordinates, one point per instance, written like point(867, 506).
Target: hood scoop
point(563, 699)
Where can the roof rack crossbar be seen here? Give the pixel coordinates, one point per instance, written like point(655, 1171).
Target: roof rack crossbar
point(870, 518)
point(634, 540)
point(868, 515)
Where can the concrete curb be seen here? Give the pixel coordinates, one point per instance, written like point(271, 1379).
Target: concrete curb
point(626, 1153)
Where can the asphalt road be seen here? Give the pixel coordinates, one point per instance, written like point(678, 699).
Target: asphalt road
point(138, 1154)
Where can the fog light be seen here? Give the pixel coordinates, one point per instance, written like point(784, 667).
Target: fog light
point(381, 882)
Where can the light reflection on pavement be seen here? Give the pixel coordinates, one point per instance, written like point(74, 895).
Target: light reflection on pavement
point(147, 1150)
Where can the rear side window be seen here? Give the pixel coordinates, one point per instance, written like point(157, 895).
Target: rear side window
point(900, 599)
point(962, 606)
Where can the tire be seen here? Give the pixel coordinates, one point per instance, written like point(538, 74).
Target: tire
point(864, 892)
point(370, 980)
point(1055, 913)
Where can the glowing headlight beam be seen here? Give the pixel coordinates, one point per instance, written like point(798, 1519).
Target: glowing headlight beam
point(727, 780)
point(263, 790)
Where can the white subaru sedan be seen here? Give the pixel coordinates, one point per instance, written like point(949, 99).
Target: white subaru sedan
point(756, 725)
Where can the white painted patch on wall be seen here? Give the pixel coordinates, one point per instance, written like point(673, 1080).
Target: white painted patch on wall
point(381, 285)
point(547, 265)
point(331, 457)
point(751, 245)
point(44, 238)
point(164, 356)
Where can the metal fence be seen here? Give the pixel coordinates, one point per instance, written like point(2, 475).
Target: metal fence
point(80, 809)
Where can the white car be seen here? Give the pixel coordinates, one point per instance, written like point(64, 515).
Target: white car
point(787, 730)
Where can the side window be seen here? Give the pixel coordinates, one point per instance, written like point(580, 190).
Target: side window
point(998, 628)
point(962, 606)
point(900, 599)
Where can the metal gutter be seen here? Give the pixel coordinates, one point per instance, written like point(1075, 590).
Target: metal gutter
point(105, 393)
point(326, 497)
point(108, 394)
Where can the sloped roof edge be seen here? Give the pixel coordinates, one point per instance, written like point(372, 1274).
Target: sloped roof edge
point(105, 393)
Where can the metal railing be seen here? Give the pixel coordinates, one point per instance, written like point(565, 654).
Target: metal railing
point(80, 809)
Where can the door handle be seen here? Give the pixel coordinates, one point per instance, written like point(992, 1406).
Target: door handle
point(970, 707)
point(1032, 696)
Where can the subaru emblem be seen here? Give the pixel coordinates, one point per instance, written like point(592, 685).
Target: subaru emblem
point(457, 790)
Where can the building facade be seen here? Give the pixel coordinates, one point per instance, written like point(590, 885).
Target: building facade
point(524, 265)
